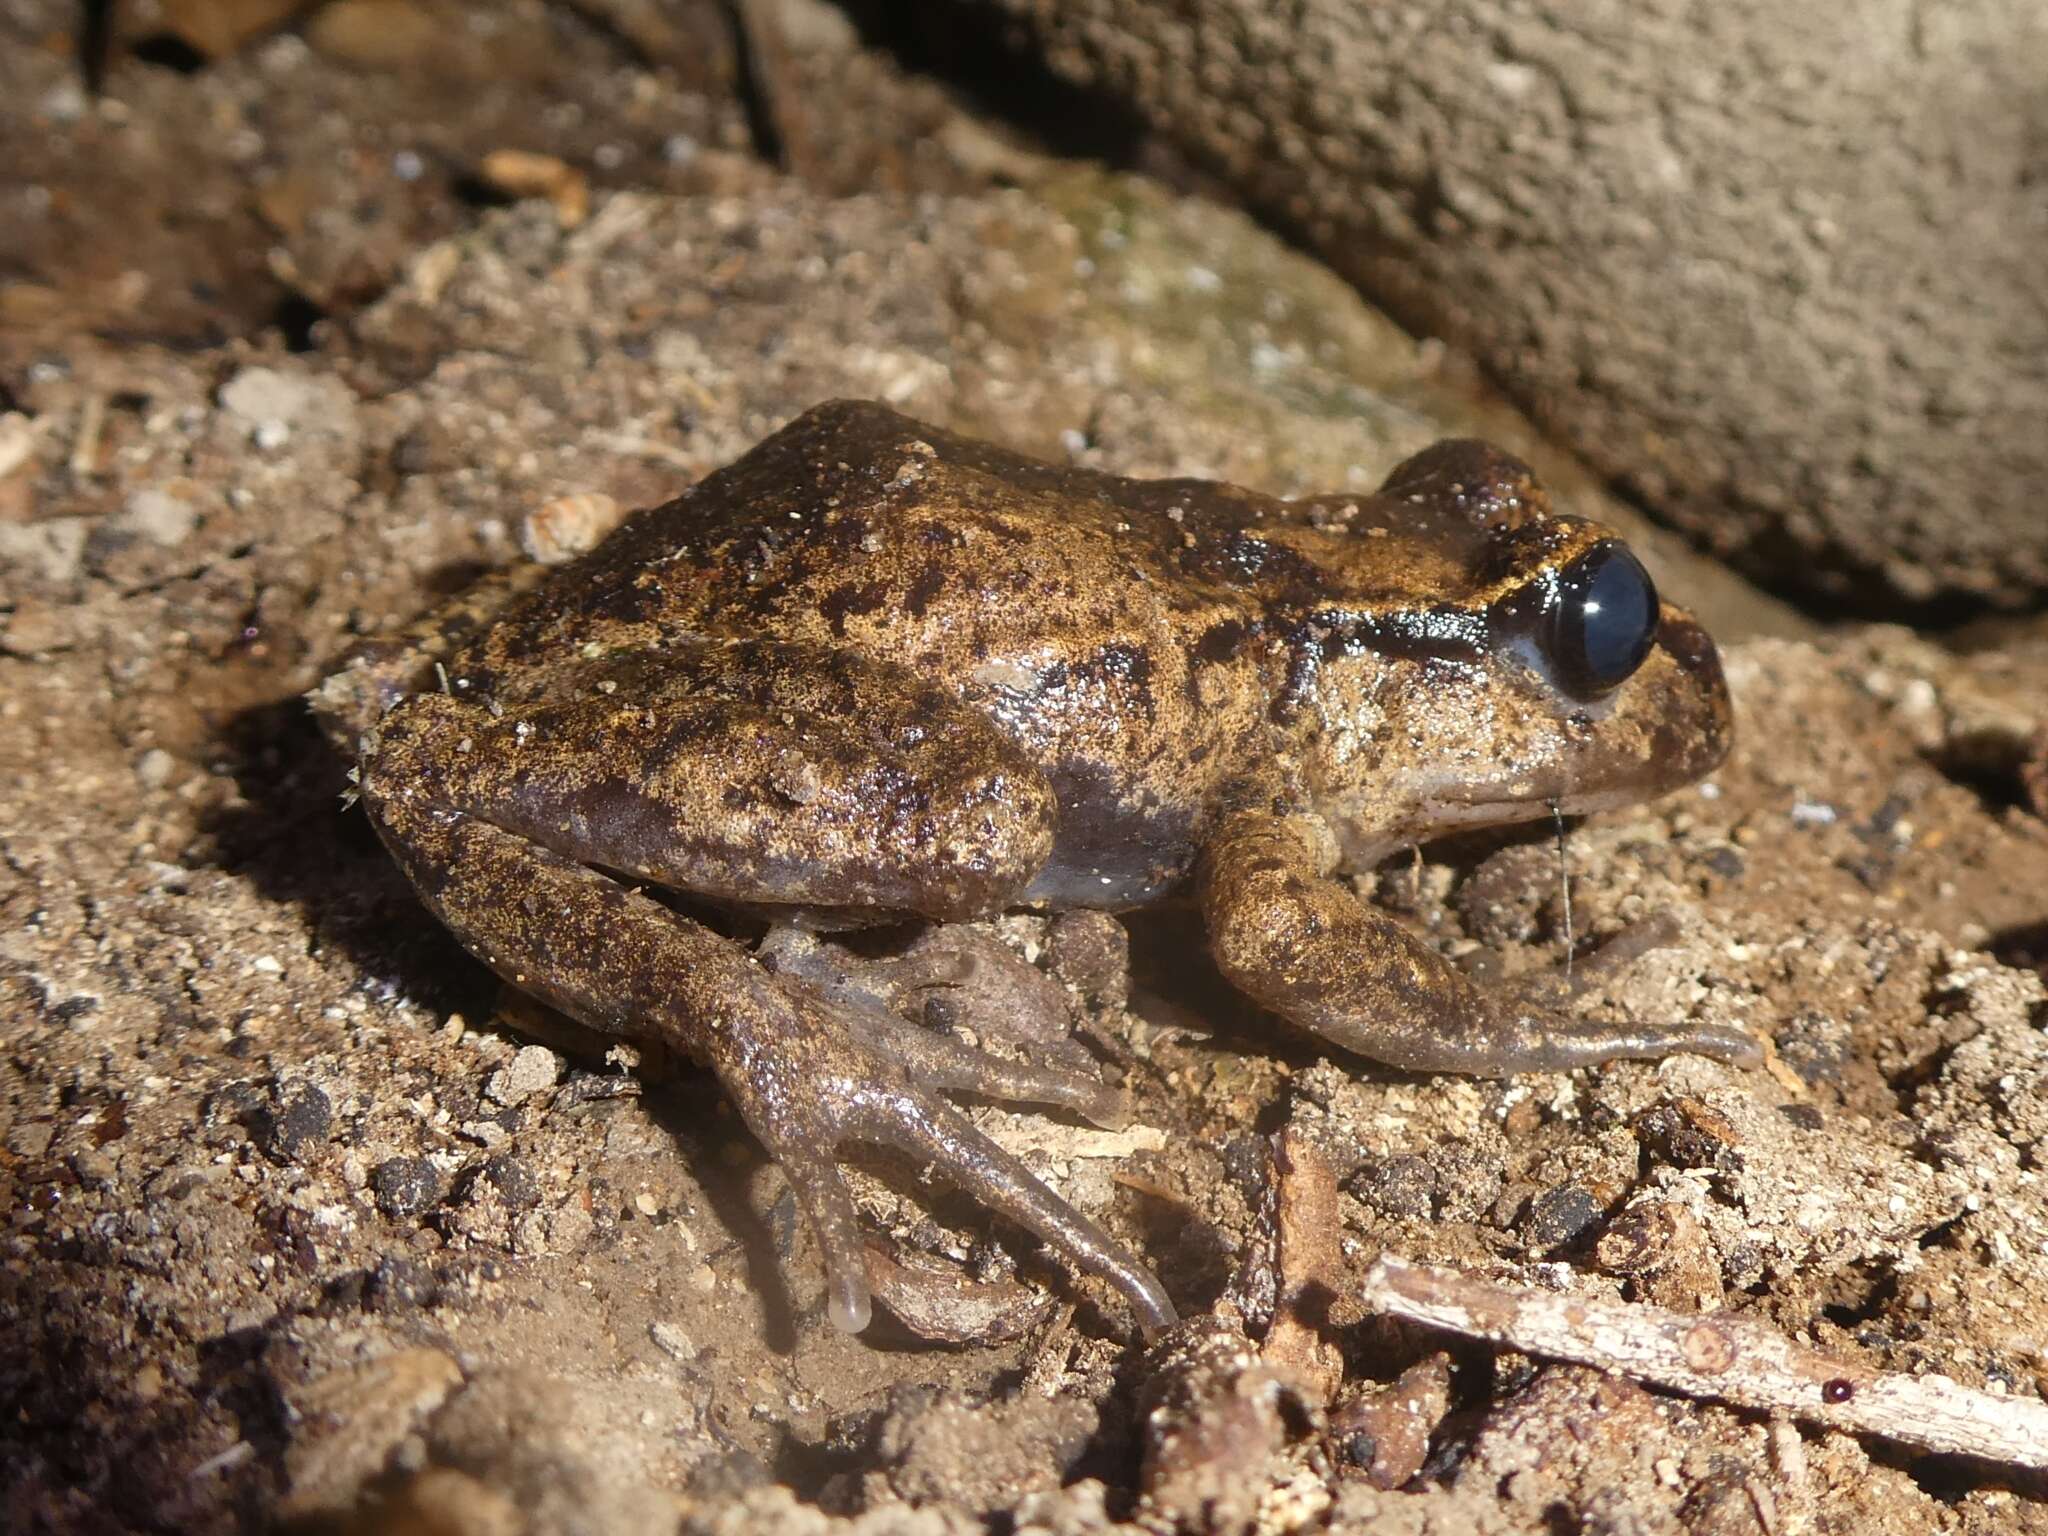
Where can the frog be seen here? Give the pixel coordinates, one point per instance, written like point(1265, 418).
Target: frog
point(874, 673)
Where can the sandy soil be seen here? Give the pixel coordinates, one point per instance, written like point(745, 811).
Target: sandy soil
point(307, 1219)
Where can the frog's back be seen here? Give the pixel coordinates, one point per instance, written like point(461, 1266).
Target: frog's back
point(1120, 630)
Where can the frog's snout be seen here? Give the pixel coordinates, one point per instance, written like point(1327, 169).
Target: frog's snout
point(1698, 717)
point(1690, 646)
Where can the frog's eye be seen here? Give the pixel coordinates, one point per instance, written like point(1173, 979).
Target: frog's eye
point(1604, 620)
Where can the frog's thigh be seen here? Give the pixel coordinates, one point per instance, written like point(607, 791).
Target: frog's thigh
point(752, 772)
point(1303, 945)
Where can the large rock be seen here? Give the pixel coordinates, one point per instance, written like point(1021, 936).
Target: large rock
point(1778, 269)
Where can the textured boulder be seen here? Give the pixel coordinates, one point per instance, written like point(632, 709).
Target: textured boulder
point(1776, 269)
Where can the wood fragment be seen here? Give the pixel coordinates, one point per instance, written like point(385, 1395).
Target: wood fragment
point(85, 446)
point(1727, 1359)
point(524, 173)
point(1309, 1264)
point(940, 1303)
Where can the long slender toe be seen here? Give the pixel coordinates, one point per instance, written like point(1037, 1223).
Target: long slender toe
point(939, 1061)
point(943, 1139)
point(1556, 1045)
point(829, 1209)
point(1723, 1042)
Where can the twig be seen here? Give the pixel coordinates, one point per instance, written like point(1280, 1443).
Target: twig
point(1729, 1359)
point(1308, 1265)
point(85, 447)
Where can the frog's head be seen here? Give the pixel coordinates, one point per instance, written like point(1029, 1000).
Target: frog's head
point(1515, 659)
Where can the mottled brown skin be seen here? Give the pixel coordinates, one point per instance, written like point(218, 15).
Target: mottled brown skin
point(871, 671)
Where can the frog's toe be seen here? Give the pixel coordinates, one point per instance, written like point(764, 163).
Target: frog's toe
point(944, 1063)
point(1659, 931)
point(829, 1209)
point(1723, 1042)
point(1557, 1045)
point(939, 1137)
point(942, 1304)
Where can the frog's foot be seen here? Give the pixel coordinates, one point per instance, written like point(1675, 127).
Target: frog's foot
point(860, 1073)
point(955, 979)
point(849, 1083)
point(1306, 947)
point(1531, 1022)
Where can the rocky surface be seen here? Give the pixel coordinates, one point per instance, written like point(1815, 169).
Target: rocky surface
point(308, 1220)
point(1774, 269)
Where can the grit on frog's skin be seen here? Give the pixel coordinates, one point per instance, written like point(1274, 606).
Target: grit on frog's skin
point(872, 672)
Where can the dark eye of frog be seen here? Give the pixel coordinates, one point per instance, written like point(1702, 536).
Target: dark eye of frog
point(1602, 622)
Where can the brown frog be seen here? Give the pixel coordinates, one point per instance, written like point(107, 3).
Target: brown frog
point(873, 672)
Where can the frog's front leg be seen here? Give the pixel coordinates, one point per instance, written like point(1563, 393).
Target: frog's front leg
point(1301, 944)
point(745, 769)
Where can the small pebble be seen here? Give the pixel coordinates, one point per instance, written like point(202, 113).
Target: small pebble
point(399, 1285)
point(53, 548)
point(405, 1186)
point(514, 1182)
point(1403, 1186)
point(35, 629)
point(1557, 1216)
point(158, 516)
point(1687, 1133)
point(94, 1168)
point(557, 531)
point(271, 402)
point(17, 442)
point(525, 173)
point(298, 1124)
point(673, 1341)
point(534, 1069)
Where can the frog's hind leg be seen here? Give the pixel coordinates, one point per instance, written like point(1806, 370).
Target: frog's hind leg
point(510, 851)
point(1292, 938)
point(803, 1081)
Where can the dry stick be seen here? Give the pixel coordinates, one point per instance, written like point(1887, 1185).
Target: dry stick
point(1725, 1358)
point(1308, 1264)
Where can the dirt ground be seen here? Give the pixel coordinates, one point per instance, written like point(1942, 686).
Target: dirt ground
point(309, 1222)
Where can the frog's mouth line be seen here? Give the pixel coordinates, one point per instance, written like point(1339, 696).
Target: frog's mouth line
point(1433, 819)
point(1442, 815)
